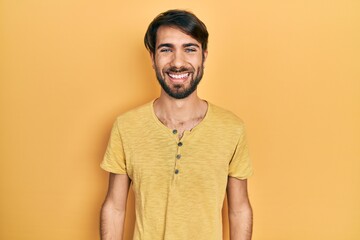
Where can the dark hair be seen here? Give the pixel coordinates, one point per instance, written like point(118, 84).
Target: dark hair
point(185, 21)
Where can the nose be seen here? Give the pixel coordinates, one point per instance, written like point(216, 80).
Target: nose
point(178, 59)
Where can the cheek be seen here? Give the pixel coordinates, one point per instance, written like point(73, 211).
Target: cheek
point(163, 66)
point(196, 61)
point(160, 63)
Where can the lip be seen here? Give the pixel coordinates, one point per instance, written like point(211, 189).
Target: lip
point(178, 77)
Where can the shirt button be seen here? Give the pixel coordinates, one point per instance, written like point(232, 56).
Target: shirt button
point(178, 156)
point(177, 171)
point(180, 144)
point(174, 131)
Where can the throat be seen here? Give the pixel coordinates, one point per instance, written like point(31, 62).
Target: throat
point(182, 126)
point(181, 115)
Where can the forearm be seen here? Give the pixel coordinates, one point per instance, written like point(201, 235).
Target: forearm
point(241, 224)
point(111, 223)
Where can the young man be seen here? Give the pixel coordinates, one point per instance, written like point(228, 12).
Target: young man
point(180, 153)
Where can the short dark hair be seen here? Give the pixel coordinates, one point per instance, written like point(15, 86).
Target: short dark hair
point(185, 21)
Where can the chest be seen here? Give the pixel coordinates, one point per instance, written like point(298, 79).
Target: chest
point(195, 156)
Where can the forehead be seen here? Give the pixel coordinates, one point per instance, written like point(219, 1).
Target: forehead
point(173, 35)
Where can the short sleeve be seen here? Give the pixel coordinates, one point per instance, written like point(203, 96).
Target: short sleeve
point(114, 160)
point(240, 165)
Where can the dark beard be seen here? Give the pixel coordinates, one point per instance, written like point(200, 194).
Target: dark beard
point(177, 93)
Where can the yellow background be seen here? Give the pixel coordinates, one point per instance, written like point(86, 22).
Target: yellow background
point(290, 69)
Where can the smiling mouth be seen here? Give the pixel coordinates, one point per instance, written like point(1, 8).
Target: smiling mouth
point(179, 76)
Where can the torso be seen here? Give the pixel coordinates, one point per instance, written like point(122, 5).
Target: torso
point(169, 189)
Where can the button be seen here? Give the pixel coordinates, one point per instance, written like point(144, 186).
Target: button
point(177, 171)
point(178, 156)
point(174, 131)
point(180, 144)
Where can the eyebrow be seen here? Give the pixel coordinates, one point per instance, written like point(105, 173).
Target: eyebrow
point(191, 45)
point(172, 45)
point(165, 45)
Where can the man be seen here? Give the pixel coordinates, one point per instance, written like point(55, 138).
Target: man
point(180, 153)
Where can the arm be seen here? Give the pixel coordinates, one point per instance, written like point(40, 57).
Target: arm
point(114, 207)
point(240, 212)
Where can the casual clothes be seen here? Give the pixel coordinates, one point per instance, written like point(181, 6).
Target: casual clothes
point(179, 185)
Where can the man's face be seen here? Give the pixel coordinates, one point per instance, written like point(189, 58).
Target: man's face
point(178, 62)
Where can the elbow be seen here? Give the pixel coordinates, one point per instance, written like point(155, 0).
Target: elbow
point(109, 207)
point(243, 210)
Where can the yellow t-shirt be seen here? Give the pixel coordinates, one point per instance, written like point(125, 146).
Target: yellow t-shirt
point(179, 185)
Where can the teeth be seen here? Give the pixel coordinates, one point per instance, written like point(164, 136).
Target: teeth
point(178, 76)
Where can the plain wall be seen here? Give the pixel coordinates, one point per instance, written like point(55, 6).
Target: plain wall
point(289, 69)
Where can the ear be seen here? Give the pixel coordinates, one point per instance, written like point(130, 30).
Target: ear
point(205, 54)
point(152, 56)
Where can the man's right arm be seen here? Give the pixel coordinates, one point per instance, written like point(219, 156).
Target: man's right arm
point(114, 207)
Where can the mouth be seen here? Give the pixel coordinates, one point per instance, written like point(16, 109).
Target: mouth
point(178, 76)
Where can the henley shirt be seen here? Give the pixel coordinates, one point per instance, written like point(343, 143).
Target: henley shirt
point(179, 184)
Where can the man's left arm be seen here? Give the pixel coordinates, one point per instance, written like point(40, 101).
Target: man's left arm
point(239, 209)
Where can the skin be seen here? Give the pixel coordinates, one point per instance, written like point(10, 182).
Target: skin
point(177, 50)
point(170, 63)
point(114, 208)
point(177, 54)
point(239, 209)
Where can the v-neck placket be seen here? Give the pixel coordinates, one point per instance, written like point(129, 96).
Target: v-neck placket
point(180, 142)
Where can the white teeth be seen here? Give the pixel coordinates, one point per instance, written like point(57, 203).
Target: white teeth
point(179, 76)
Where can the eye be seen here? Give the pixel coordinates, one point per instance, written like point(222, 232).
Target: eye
point(165, 50)
point(189, 50)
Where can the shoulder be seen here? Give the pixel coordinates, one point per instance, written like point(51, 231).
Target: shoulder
point(225, 117)
point(224, 125)
point(134, 116)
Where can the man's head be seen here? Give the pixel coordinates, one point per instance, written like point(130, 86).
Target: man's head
point(185, 21)
point(177, 42)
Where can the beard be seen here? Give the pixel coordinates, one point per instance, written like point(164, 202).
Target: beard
point(180, 91)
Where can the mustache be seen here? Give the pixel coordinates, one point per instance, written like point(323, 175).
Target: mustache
point(177, 70)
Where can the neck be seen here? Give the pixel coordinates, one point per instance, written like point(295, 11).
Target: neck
point(179, 110)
